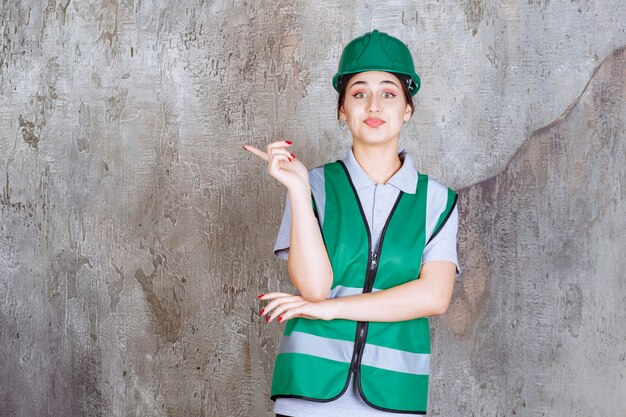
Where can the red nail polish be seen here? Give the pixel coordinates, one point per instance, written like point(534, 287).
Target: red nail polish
point(280, 319)
point(244, 146)
point(293, 156)
point(289, 142)
point(260, 296)
point(268, 318)
point(262, 311)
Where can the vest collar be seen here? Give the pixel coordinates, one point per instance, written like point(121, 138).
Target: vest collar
point(405, 179)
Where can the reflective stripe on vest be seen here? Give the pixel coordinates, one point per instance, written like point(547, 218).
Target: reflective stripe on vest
point(390, 359)
point(341, 350)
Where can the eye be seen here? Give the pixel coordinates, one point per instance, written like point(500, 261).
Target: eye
point(359, 94)
point(388, 94)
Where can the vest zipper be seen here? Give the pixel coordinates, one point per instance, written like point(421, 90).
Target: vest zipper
point(359, 344)
point(370, 275)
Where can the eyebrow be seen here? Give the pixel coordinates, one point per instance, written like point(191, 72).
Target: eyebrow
point(365, 82)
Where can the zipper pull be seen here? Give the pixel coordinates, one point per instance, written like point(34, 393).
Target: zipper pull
point(374, 261)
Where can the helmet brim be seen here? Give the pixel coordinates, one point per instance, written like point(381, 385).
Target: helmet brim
point(413, 88)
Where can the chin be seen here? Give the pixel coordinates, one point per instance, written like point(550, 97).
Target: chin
point(375, 140)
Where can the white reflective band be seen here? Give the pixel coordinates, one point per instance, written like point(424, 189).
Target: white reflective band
point(341, 350)
point(333, 349)
point(341, 291)
point(396, 360)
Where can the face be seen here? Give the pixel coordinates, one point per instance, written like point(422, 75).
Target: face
point(374, 107)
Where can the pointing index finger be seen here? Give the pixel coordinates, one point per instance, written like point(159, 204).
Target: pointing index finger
point(257, 152)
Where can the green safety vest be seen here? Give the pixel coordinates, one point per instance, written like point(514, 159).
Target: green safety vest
point(391, 359)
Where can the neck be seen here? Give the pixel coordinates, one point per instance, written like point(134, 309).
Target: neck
point(380, 162)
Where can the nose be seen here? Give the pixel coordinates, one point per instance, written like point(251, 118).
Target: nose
point(374, 104)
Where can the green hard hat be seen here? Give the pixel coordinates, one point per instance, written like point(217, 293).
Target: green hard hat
point(377, 51)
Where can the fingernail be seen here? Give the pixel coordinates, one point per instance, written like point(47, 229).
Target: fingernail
point(244, 146)
point(260, 295)
point(280, 319)
point(262, 311)
point(268, 318)
point(289, 142)
point(292, 155)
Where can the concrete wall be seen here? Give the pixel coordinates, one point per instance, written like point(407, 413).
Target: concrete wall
point(136, 233)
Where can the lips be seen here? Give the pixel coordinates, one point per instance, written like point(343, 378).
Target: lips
point(373, 122)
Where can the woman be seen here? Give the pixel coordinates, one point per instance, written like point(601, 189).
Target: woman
point(370, 245)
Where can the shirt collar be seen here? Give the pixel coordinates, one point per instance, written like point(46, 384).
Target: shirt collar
point(405, 179)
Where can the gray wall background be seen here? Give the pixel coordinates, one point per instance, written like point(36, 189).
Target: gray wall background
point(136, 233)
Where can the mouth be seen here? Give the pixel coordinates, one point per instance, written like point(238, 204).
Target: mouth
point(373, 122)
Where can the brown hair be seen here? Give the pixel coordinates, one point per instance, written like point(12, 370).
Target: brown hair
point(344, 81)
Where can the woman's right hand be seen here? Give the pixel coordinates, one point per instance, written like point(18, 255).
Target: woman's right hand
point(283, 165)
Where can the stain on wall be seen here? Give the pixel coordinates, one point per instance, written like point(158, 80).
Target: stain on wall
point(135, 233)
point(535, 326)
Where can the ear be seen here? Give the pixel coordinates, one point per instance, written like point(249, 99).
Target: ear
point(407, 113)
point(342, 114)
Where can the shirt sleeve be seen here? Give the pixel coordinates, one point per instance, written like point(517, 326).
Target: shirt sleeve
point(443, 246)
point(281, 247)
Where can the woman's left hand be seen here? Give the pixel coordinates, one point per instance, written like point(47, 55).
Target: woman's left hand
point(287, 306)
